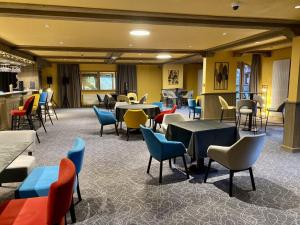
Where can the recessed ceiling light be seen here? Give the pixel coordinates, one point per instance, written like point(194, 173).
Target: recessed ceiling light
point(140, 53)
point(190, 46)
point(130, 45)
point(139, 32)
point(47, 26)
point(224, 33)
point(257, 42)
point(61, 42)
point(297, 7)
point(114, 57)
point(163, 56)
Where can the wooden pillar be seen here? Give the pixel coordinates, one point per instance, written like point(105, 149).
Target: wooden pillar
point(291, 138)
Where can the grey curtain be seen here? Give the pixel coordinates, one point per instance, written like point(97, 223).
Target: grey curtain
point(126, 79)
point(69, 85)
point(255, 74)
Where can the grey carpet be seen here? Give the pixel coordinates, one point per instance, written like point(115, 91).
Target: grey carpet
point(116, 189)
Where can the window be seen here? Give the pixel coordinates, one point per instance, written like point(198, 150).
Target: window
point(107, 81)
point(98, 81)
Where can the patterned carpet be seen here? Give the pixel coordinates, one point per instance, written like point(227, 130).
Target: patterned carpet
point(116, 189)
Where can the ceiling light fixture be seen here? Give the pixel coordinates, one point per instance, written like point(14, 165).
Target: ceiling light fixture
point(130, 45)
point(257, 42)
point(47, 26)
point(224, 33)
point(139, 32)
point(61, 42)
point(163, 56)
point(297, 7)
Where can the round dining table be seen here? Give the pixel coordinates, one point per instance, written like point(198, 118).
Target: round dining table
point(150, 110)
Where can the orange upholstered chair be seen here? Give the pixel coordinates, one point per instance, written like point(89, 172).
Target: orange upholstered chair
point(49, 210)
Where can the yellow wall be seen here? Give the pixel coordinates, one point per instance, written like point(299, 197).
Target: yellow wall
point(190, 77)
point(209, 67)
point(149, 80)
point(51, 72)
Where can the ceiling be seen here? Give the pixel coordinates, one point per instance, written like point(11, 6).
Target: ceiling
point(58, 39)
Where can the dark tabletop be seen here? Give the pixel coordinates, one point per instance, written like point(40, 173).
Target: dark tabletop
point(198, 135)
point(150, 110)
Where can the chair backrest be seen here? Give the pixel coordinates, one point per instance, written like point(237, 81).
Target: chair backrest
point(259, 100)
point(120, 103)
point(76, 153)
point(28, 105)
point(49, 96)
point(159, 104)
point(223, 103)
point(191, 103)
point(135, 118)
point(243, 154)
point(190, 94)
point(246, 103)
point(132, 96)
point(173, 109)
point(143, 99)
point(281, 107)
point(99, 98)
point(153, 143)
point(36, 101)
point(122, 98)
point(43, 97)
point(61, 192)
point(171, 118)
point(97, 111)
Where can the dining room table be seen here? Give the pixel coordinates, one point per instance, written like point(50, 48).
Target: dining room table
point(10, 148)
point(198, 135)
point(150, 110)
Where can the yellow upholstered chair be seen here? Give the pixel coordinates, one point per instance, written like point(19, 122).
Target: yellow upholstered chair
point(132, 97)
point(35, 102)
point(133, 119)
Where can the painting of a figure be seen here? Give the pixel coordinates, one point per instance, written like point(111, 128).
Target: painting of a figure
point(173, 77)
point(221, 75)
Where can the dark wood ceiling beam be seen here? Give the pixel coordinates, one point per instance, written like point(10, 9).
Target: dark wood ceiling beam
point(127, 16)
point(267, 45)
point(248, 40)
point(92, 49)
point(8, 49)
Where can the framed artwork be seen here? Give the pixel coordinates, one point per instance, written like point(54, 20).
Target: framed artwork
point(221, 76)
point(173, 77)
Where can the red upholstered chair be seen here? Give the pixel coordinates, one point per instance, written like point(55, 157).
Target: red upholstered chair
point(25, 112)
point(49, 210)
point(159, 118)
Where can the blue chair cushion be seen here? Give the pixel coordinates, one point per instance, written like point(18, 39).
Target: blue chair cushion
point(38, 182)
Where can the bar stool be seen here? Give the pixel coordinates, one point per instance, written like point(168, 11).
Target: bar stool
point(25, 113)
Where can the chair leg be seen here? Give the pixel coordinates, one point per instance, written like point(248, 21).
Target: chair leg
point(207, 170)
point(149, 164)
point(252, 179)
point(127, 134)
point(78, 189)
point(230, 182)
point(222, 112)
point(194, 114)
point(267, 121)
point(154, 126)
point(12, 122)
point(101, 130)
point(185, 167)
point(42, 122)
point(282, 118)
point(174, 160)
point(72, 211)
point(170, 163)
point(160, 172)
point(116, 127)
point(189, 113)
point(53, 108)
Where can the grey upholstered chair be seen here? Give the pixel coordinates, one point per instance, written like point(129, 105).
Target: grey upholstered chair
point(171, 118)
point(238, 157)
point(225, 107)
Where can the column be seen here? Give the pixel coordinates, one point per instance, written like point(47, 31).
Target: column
point(291, 137)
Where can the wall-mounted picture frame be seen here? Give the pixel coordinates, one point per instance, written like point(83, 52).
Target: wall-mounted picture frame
point(221, 76)
point(173, 77)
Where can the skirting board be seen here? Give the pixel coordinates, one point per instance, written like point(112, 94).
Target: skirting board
point(290, 149)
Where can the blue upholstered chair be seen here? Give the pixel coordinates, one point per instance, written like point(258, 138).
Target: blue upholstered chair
point(161, 149)
point(194, 108)
point(106, 118)
point(40, 179)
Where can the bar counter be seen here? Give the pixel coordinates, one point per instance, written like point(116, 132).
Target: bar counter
point(9, 101)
